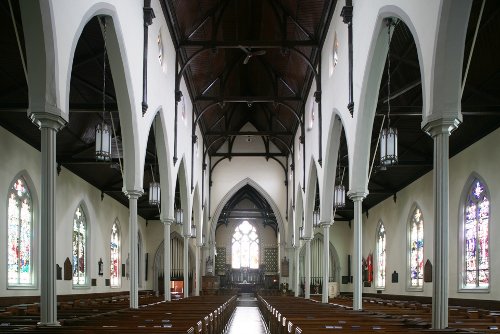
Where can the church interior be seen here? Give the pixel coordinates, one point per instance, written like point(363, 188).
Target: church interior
point(249, 166)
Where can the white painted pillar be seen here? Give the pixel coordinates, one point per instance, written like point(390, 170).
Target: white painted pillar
point(49, 125)
point(307, 270)
point(133, 195)
point(326, 260)
point(296, 273)
point(167, 261)
point(357, 301)
point(197, 278)
point(440, 131)
point(186, 265)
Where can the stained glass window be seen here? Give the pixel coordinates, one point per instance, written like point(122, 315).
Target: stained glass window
point(416, 249)
point(475, 228)
point(115, 256)
point(79, 248)
point(20, 229)
point(245, 246)
point(381, 256)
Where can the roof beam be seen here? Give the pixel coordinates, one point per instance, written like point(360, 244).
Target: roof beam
point(250, 133)
point(249, 154)
point(247, 99)
point(271, 44)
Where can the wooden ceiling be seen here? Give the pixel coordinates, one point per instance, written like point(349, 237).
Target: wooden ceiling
point(268, 91)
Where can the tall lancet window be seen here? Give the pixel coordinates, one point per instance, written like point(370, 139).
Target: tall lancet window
point(79, 248)
point(476, 272)
point(245, 246)
point(416, 245)
point(381, 255)
point(115, 279)
point(19, 234)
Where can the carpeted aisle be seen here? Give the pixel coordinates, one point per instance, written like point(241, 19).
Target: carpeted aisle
point(246, 319)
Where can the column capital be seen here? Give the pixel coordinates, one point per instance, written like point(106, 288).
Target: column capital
point(357, 195)
point(325, 223)
point(439, 126)
point(168, 221)
point(44, 119)
point(133, 193)
point(307, 239)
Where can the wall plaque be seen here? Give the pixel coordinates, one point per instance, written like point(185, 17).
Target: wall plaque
point(285, 265)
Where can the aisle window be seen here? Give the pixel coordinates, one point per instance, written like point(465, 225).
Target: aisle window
point(476, 260)
point(79, 248)
point(19, 234)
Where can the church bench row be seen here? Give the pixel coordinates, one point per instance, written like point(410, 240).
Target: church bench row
point(192, 315)
point(284, 315)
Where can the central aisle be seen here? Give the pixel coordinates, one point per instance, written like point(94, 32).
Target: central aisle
point(247, 319)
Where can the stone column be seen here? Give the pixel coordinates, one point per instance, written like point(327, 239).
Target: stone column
point(133, 195)
point(197, 278)
point(186, 265)
point(307, 269)
point(167, 258)
point(49, 125)
point(297, 270)
point(440, 131)
point(326, 260)
point(357, 302)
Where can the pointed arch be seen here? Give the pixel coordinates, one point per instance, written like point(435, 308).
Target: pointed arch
point(158, 262)
point(128, 109)
point(80, 246)
point(299, 215)
point(164, 159)
point(474, 215)
point(330, 166)
point(230, 194)
point(197, 214)
point(381, 255)
point(375, 63)
point(317, 260)
point(115, 255)
point(22, 224)
point(415, 249)
point(182, 176)
point(312, 183)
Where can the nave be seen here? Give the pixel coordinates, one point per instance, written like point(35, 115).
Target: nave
point(247, 313)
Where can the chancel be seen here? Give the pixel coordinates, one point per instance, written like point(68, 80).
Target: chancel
point(249, 166)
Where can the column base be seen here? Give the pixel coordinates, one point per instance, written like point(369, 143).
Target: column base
point(50, 324)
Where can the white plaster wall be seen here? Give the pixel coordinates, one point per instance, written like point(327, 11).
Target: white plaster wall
point(395, 217)
point(70, 192)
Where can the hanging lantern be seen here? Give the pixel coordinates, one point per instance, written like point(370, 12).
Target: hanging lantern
point(179, 215)
point(316, 218)
point(301, 233)
point(388, 147)
point(154, 193)
point(339, 196)
point(293, 240)
point(193, 231)
point(388, 136)
point(102, 142)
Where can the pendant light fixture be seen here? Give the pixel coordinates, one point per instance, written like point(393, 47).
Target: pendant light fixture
point(102, 130)
point(154, 187)
point(179, 216)
point(388, 136)
point(316, 217)
point(339, 190)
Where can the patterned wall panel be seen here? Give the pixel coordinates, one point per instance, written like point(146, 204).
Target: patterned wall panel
point(271, 259)
point(220, 260)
